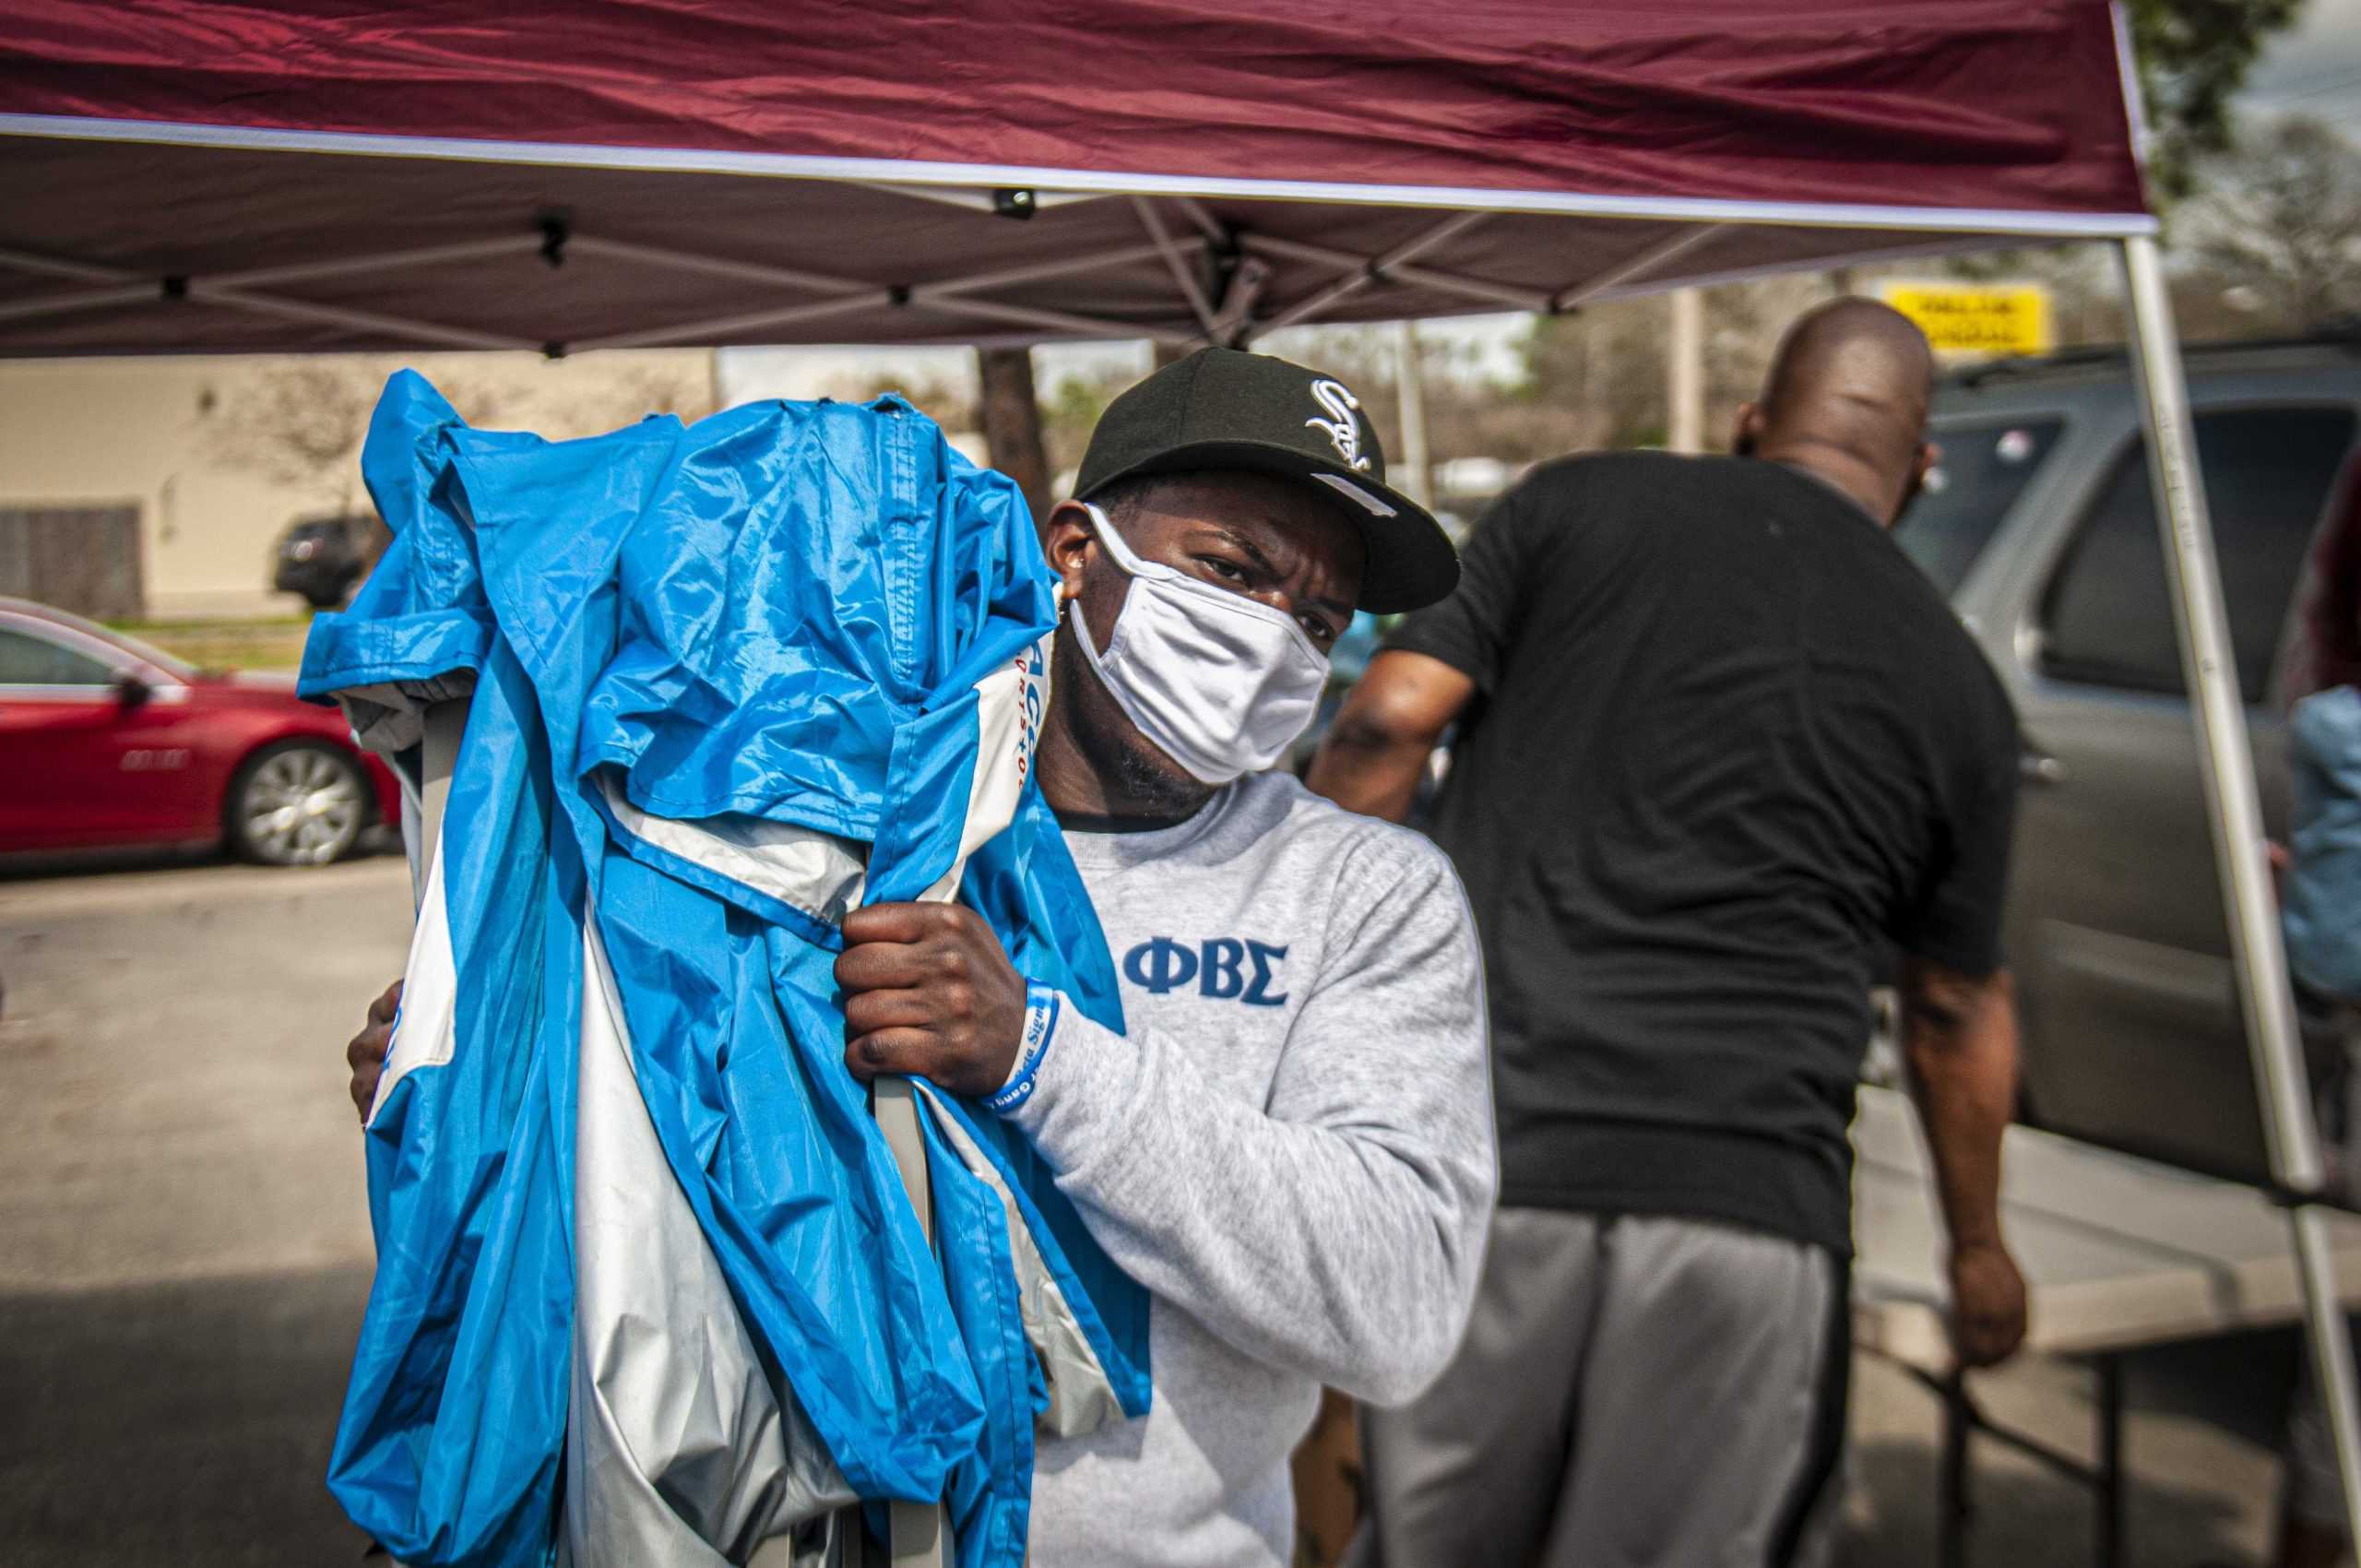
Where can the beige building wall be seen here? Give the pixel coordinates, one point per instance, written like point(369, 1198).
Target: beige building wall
point(219, 454)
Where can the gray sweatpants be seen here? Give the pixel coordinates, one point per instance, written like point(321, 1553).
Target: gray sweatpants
point(1631, 1391)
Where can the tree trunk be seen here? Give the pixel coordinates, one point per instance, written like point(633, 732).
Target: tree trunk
point(1012, 419)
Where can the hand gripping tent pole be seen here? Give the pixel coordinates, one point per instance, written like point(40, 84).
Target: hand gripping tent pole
point(2226, 765)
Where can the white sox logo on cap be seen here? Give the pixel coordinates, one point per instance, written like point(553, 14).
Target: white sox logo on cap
point(1231, 410)
point(1344, 430)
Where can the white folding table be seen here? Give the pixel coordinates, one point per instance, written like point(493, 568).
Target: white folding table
point(2119, 1253)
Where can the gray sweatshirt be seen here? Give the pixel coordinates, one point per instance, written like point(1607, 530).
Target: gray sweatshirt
point(1291, 1147)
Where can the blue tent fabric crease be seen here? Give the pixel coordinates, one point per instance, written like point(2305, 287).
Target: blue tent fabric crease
point(648, 1288)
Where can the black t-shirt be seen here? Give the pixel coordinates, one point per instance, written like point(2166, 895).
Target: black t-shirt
point(1728, 745)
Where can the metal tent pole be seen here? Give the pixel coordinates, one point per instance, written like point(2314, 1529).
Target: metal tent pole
point(918, 1534)
point(438, 753)
point(2226, 766)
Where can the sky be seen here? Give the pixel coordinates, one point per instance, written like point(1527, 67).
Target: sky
point(2314, 69)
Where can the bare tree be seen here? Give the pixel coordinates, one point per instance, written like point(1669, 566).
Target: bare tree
point(2282, 216)
point(589, 405)
point(1012, 419)
point(1071, 410)
point(300, 424)
point(2193, 55)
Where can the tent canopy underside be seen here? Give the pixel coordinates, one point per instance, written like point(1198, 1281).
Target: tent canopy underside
point(251, 249)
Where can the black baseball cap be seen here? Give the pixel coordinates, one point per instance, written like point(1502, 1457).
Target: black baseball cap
point(1228, 409)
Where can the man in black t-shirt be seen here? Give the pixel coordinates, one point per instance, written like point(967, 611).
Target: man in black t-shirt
point(1722, 751)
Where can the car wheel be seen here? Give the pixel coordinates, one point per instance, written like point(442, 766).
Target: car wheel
point(297, 804)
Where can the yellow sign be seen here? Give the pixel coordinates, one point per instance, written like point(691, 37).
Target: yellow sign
point(1967, 318)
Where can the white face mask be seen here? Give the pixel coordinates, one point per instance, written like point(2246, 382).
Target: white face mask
point(1221, 682)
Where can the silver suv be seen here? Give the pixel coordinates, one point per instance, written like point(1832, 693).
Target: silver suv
point(2040, 525)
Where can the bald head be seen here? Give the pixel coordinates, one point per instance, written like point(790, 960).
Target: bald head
point(1847, 399)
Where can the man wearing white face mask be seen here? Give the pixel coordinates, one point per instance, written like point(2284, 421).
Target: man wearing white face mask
point(1291, 1145)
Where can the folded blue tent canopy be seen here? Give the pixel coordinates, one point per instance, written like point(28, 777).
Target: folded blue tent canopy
point(648, 1287)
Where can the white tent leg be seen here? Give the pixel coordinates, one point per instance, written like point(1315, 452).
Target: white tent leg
point(2227, 766)
point(2331, 1351)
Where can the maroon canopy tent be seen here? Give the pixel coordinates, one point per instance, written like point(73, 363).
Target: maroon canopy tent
point(230, 176)
point(215, 176)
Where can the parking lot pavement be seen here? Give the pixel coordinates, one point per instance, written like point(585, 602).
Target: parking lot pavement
point(184, 1238)
point(172, 1102)
point(184, 1255)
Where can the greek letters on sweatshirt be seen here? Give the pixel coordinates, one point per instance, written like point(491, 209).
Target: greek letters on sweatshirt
point(1291, 1149)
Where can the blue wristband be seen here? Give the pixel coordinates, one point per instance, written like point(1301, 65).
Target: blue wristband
point(1041, 1008)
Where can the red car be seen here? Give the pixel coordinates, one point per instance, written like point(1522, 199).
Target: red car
point(106, 740)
